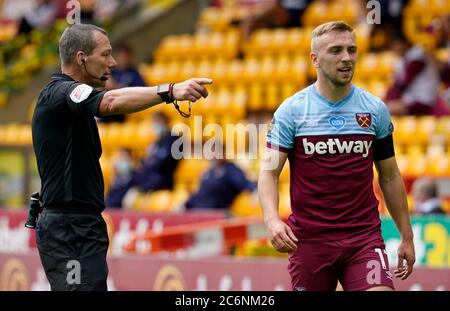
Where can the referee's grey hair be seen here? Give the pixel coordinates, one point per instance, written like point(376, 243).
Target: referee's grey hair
point(77, 37)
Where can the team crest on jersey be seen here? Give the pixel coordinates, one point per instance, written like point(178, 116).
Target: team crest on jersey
point(364, 120)
point(80, 93)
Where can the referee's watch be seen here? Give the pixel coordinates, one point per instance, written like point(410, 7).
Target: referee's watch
point(164, 92)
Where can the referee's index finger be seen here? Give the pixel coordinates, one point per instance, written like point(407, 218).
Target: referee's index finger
point(203, 80)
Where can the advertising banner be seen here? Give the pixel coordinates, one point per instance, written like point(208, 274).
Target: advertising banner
point(16, 239)
point(431, 240)
point(166, 273)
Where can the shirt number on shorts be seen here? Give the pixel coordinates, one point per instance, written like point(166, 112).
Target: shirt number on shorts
point(380, 253)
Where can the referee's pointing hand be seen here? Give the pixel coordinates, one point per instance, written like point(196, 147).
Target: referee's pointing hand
point(192, 89)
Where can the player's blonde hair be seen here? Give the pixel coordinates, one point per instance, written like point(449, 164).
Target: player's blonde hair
point(322, 29)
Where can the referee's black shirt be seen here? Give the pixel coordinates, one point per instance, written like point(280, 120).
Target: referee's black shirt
point(67, 144)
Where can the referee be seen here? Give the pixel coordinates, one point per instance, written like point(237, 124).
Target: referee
point(71, 234)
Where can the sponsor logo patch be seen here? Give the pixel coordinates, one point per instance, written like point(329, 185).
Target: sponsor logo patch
point(80, 93)
point(336, 146)
point(337, 122)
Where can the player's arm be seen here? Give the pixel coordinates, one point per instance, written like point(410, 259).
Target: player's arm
point(394, 193)
point(134, 99)
point(282, 237)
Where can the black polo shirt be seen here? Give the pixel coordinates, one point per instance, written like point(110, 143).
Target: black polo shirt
point(67, 144)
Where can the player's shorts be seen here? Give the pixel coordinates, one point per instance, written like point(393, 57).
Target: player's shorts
point(73, 248)
point(317, 266)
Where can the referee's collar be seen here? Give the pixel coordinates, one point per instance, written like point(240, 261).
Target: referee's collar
point(61, 76)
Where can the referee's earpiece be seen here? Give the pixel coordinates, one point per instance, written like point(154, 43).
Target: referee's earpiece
point(83, 59)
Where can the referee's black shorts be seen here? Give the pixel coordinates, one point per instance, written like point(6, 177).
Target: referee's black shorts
point(73, 247)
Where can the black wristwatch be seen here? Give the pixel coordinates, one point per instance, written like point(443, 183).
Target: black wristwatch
point(164, 92)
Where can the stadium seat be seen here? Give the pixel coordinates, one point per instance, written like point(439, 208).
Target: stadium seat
point(158, 201)
point(246, 204)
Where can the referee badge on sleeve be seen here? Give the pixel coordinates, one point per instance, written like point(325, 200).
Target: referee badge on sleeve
point(80, 93)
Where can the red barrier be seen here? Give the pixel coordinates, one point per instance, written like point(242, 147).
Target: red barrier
point(206, 238)
point(15, 238)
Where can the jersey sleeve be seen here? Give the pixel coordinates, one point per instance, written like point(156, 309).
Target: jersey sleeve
point(384, 126)
point(281, 132)
point(383, 146)
point(84, 99)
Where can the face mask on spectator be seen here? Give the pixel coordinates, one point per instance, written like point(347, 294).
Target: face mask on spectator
point(123, 167)
point(159, 129)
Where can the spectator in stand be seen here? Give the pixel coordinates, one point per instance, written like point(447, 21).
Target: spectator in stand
point(426, 200)
point(220, 184)
point(123, 172)
point(124, 75)
point(416, 81)
point(157, 170)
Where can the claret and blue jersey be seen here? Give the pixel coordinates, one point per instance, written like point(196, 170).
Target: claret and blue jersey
point(330, 149)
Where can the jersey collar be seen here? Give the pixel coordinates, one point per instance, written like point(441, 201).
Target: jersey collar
point(61, 76)
point(331, 104)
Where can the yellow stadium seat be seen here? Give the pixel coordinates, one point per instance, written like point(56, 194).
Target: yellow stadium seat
point(204, 68)
point(285, 173)
point(187, 70)
point(294, 38)
point(299, 70)
point(108, 171)
point(443, 128)
point(343, 10)
point(201, 44)
point(362, 31)
point(251, 70)
point(280, 39)
point(426, 127)
point(223, 103)
point(287, 90)
point(405, 128)
point(267, 66)
point(235, 70)
point(172, 71)
point(190, 170)
point(316, 13)
point(157, 74)
point(239, 102)
point(285, 201)
point(159, 201)
point(255, 101)
point(402, 162)
point(438, 164)
point(282, 68)
point(417, 164)
point(272, 96)
point(386, 63)
point(368, 64)
point(219, 71)
point(378, 88)
point(246, 204)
